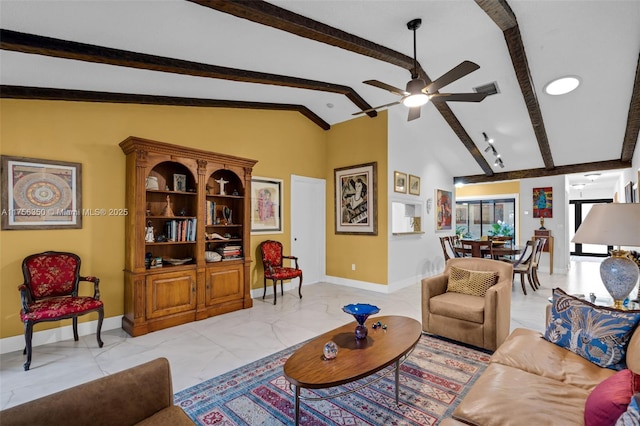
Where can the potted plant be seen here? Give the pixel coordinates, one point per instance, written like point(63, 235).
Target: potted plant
point(500, 229)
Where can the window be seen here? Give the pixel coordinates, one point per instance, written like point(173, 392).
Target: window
point(475, 218)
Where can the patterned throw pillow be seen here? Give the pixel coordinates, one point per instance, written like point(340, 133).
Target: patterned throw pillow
point(631, 417)
point(474, 283)
point(598, 334)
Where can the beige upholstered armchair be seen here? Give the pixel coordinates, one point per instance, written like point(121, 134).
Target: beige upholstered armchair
point(482, 321)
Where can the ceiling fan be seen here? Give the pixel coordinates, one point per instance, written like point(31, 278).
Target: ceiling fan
point(419, 93)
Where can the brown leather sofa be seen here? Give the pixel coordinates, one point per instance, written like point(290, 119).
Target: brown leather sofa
point(532, 381)
point(141, 395)
point(479, 321)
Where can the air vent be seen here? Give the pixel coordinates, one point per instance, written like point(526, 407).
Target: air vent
point(489, 88)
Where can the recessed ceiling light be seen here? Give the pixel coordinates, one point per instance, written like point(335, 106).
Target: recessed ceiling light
point(578, 186)
point(562, 85)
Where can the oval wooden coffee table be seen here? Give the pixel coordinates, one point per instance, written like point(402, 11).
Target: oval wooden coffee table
point(356, 359)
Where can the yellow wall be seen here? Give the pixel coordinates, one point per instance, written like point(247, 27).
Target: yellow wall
point(284, 143)
point(354, 142)
point(483, 189)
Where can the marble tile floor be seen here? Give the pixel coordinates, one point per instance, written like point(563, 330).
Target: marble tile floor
point(204, 349)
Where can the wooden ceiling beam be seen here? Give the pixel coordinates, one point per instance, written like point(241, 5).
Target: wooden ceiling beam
point(41, 93)
point(273, 16)
point(500, 12)
point(633, 120)
point(40, 45)
point(264, 13)
point(543, 172)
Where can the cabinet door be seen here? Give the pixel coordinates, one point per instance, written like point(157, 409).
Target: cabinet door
point(170, 293)
point(224, 284)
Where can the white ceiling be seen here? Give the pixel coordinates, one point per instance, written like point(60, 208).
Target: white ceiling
point(599, 41)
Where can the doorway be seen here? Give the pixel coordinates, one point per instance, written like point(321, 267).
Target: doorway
point(578, 211)
point(308, 226)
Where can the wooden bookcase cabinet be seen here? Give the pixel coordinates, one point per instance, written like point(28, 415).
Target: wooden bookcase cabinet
point(168, 295)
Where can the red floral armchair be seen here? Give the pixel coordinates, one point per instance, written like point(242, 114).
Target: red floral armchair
point(272, 260)
point(50, 293)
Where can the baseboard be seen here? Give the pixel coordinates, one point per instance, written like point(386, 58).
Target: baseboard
point(44, 337)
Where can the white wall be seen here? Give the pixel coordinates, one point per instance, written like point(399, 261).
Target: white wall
point(557, 224)
point(413, 257)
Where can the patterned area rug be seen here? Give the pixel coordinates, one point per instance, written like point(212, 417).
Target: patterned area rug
point(434, 379)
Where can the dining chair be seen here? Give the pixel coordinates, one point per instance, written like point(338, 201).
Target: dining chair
point(524, 265)
point(542, 241)
point(448, 248)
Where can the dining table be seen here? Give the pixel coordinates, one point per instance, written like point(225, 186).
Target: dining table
point(482, 248)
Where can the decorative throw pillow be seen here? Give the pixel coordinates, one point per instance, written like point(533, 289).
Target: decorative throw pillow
point(631, 417)
point(474, 283)
point(596, 333)
point(609, 400)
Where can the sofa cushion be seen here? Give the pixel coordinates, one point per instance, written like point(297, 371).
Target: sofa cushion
point(448, 305)
point(473, 283)
point(527, 350)
point(599, 334)
point(609, 400)
point(506, 396)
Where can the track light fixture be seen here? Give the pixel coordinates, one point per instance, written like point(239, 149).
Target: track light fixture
point(491, 148)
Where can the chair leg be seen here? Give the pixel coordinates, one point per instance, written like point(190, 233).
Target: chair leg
point(300, 287)
point(275, 291)
point(74, 321)
point(524, 288)
point(531, 283)
point(100, 319)
point(282, 288)
point(535, 277)
point(28, 334)
point(264, 293)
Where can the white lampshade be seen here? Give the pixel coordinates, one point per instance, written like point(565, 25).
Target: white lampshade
point(615, 224)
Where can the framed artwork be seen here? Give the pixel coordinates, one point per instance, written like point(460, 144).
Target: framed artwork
point(414, 185)
point(543, 202)
point(355, 199)
point(444, 200)
point(266, 205)
point(400, 182)
point(41, 194)
point(179, 182)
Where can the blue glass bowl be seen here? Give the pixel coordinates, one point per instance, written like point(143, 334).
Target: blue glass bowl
point(361, 312)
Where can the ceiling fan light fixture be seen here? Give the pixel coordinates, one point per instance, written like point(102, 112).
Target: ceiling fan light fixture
point(415, 100)
point(562, 85)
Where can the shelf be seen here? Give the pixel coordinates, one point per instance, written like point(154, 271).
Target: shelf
point(237, 197)
point(160, 191)
point(167, 243)
point(171, 217)
point(233, 225)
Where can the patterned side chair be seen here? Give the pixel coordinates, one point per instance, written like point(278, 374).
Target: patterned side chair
point(50, 293)
point(272, 259)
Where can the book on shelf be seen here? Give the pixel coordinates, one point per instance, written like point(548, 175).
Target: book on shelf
point(181, 230)
point(211, 212)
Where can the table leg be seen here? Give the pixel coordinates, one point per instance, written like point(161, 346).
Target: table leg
point(297, 403)
point(397, 382)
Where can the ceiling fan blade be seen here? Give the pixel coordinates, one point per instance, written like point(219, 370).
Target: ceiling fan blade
point(459, 71)
point(414, 112)
point(376, 108)
point(385, 86)
point(458, 97)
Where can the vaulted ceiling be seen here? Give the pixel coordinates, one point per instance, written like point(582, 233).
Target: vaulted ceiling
point(313, 56)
